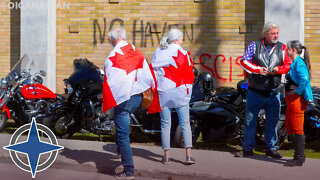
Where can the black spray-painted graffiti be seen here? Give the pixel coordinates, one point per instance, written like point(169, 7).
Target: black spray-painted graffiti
point(102, 35)
point(147, 31)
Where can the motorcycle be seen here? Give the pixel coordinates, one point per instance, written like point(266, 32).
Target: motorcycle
point(312, 117)
point(221, 115)
point(82, 108)
point(23, 96)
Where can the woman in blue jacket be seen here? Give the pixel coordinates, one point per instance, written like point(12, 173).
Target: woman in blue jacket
point(298, 94)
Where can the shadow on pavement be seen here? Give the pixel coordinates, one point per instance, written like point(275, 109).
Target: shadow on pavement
point(150, 155)
point(104, 162)
point(264, 158)
point(143, 153)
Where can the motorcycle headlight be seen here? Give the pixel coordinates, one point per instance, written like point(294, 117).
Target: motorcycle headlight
point(27, 81)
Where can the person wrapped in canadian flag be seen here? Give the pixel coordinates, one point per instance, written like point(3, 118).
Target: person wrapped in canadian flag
point(127, 75)
point(173, 70)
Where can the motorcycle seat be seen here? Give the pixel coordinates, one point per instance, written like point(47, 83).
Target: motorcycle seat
point(200, 107)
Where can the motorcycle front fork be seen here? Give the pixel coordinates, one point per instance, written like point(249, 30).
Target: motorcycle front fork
point(135, 123)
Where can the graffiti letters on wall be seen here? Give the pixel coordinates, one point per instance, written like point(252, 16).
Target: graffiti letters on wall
point(102, 32)
point(145, 34)
point(220, 59)
point(149, 33)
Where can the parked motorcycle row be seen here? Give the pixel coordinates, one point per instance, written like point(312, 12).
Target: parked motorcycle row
point(217, 115)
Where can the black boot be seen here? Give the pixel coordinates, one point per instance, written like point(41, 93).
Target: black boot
point(299, 156)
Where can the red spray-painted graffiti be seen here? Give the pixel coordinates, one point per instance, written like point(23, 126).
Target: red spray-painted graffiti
point(214, 71)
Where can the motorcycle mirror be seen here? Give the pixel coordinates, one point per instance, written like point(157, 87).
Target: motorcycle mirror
point(38, 79)
point(66, 82)
point(43, 73)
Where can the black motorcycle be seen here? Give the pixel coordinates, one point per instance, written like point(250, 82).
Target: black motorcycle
point(312, 117)
point(221, 115)
point(82, 109)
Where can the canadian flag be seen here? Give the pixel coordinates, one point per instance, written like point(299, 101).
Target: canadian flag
point(126, 73)
point(173, 73)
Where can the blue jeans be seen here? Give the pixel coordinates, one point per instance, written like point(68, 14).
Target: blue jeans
point(122, 118)
point(271, 105)
point(183, 115)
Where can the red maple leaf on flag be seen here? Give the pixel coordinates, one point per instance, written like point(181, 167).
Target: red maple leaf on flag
point(183, 74)
point(130, 60)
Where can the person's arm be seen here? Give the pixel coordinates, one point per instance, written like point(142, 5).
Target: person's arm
point(246, 61)
point(286, 62)
point(303, 77)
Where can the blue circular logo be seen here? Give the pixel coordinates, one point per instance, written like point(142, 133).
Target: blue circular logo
point(33, 147)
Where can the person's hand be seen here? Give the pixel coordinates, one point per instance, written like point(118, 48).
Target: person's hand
point(274, 71)
point(264, 71)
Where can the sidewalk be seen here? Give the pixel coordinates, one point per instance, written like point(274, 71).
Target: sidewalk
point(89, 156)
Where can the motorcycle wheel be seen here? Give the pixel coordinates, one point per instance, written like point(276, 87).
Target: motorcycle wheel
point(59, 122)
point(195, 131)
point(3, 120)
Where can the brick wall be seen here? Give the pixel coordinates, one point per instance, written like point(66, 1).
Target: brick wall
point(312, 37)
point(216, 32)
point(4, 39)
point(9, 35)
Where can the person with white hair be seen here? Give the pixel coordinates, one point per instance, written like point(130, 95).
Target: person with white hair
point(174, 76)
point(127, 76)
point(265, 61)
